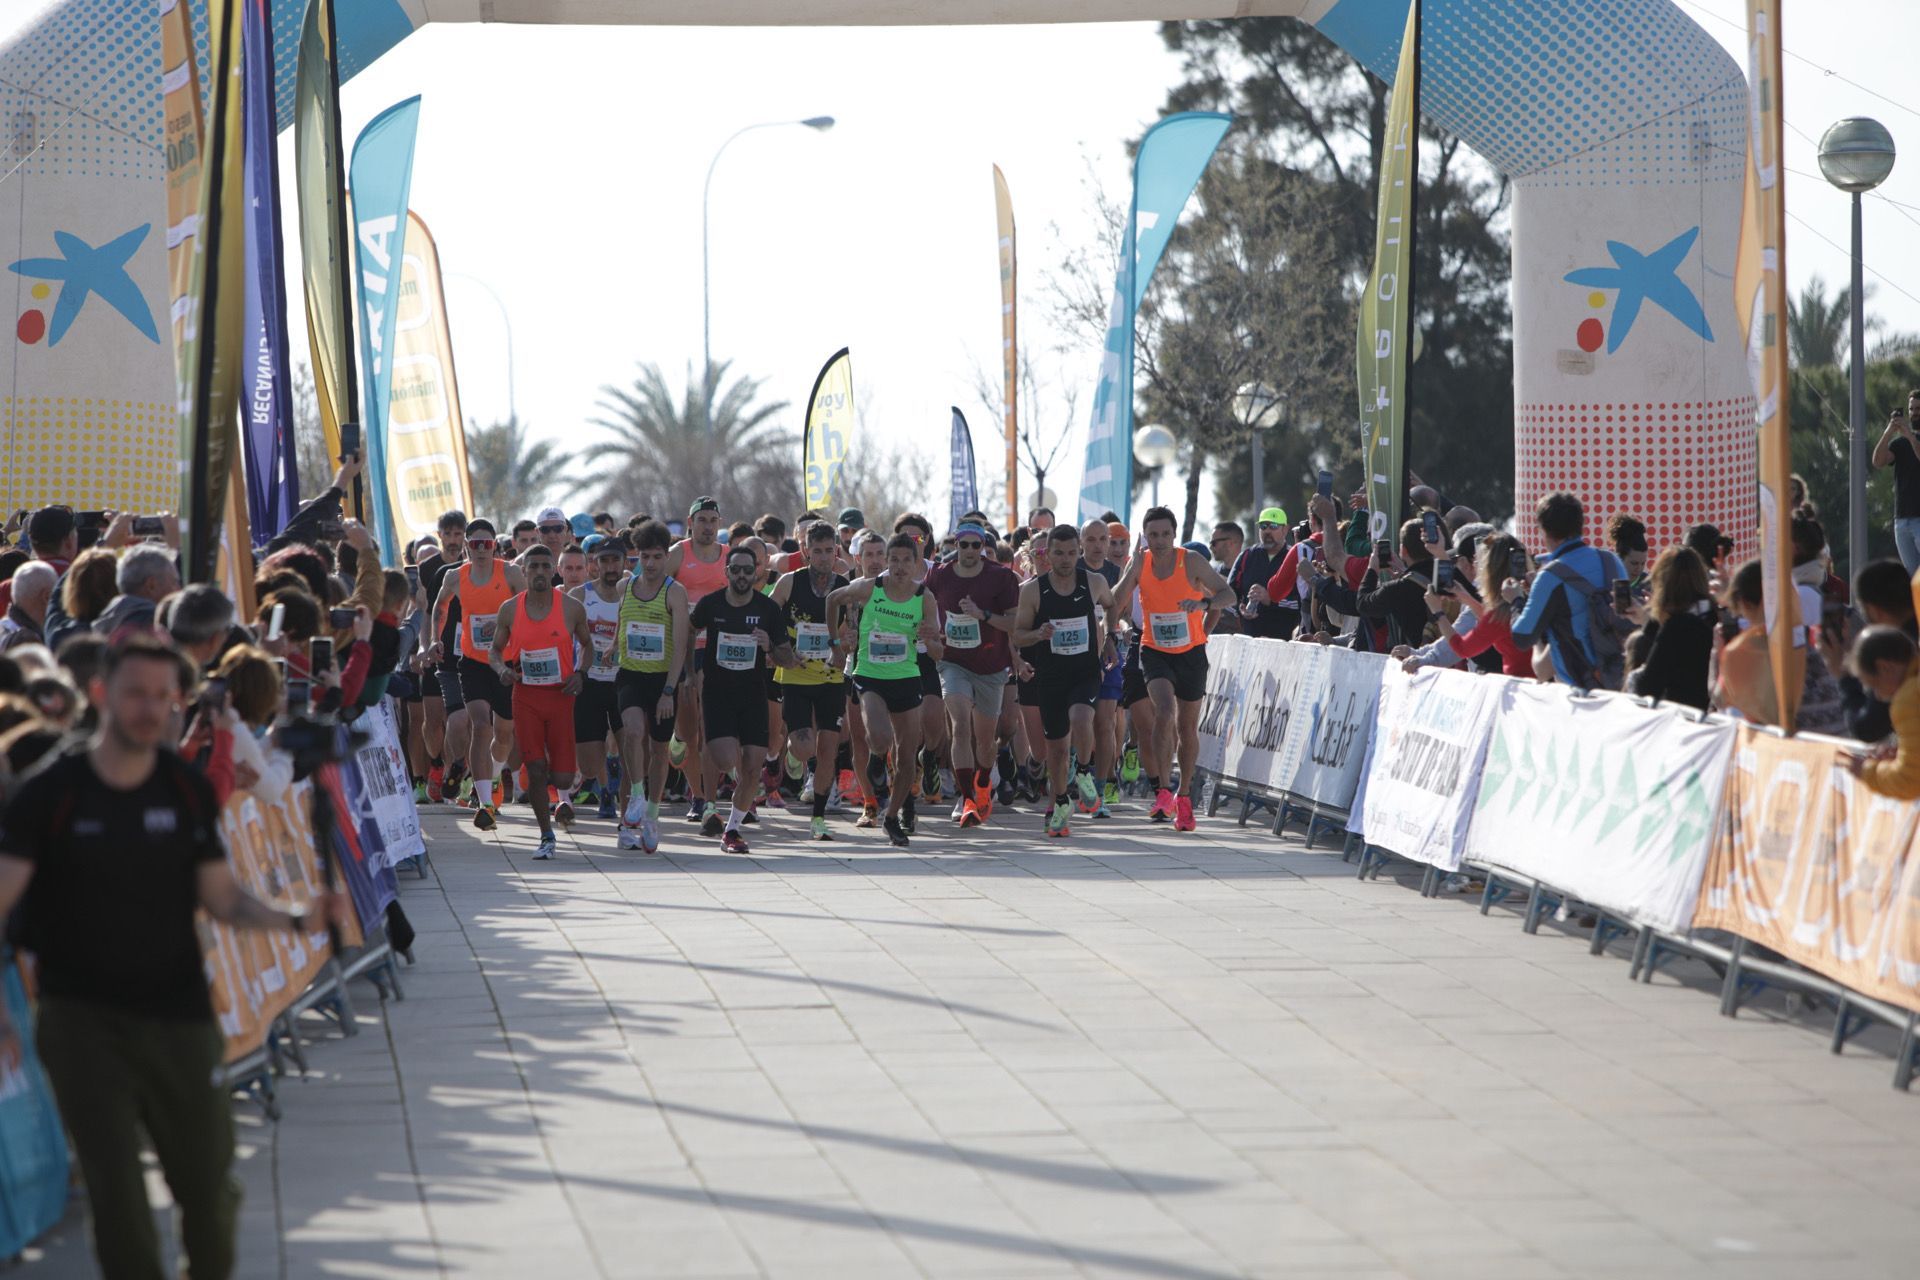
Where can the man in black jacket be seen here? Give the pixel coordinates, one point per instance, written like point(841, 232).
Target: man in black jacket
point(1398, 603)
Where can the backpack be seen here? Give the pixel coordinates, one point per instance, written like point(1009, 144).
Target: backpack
point(1603, 628)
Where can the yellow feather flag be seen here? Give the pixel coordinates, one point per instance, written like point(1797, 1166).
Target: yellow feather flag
point(1760, 300)
point(426, 436)
point(829, 429)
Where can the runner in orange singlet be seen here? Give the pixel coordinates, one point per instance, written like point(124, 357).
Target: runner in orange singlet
point(533, 653)
point(481, 586)
point(699, 564)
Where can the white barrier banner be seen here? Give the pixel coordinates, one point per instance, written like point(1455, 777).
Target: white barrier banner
point(1220, 705)
point(1610, 801)
point(1334, 720)
point(383, 766)
point(1423, 766)
point(1276, 678)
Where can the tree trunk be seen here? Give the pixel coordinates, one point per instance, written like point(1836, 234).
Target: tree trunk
point(1196, 467)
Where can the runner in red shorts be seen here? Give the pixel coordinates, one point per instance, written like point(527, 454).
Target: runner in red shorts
point(533, 653)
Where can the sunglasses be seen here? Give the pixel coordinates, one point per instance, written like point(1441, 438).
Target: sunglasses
point(1268, 524)
point(480, 544)
point(1222, 538)
point(554, 528)
point(969, 545)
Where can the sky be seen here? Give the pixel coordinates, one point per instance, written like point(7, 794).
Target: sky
point(562, 167)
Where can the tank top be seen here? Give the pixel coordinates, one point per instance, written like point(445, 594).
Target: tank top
point(544, 646)
point(811, 642)
point(1070, 654)
point(479, 609)
point(700, 578)
point(887, 629)
point(643, 639)
point(603, 620)
point(1170, 628)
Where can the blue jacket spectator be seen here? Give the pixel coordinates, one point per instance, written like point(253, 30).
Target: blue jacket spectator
point(1555, 609)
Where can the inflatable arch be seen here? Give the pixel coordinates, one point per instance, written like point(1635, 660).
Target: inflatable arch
point(1620, 123)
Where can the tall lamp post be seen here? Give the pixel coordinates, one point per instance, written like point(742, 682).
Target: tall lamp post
point(1258, 406)
point(819, 124)
point(1153, 448)
point(1856, 155)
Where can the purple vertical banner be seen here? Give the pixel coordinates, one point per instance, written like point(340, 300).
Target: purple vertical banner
point(273, 480)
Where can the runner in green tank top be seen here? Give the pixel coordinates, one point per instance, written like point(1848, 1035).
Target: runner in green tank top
point(893, 611)
point(651, 643)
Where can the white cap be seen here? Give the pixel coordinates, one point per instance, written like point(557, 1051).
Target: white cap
point(550, 515)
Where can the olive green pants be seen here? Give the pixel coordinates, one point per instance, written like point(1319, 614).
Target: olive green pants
point(116, 1074)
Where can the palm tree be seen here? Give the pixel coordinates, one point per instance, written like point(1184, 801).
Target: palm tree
point(1816, 327)
point(665, 451)
point(511, 477)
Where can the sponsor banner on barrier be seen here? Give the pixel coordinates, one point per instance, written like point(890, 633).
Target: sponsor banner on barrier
point(1603, 798)
point(1423, 767)
point(255, 975)
point(1808, 862)
point(1220, 702)
point(1278, 677)
point(1326, 752)
point(388, 796)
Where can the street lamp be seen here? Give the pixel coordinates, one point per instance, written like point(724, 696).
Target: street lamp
point(1856, 155)
point(819, 124)
point(1258, 406)
point(1153, 448)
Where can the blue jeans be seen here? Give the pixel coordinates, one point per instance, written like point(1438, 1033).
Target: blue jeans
point(1906, 537)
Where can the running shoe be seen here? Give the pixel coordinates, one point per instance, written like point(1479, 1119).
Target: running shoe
point(1103, 811)
point(629, 838)
point(929, 777)
point(696, 810)
point(609, 804)
point(969, 814)
point(636, 809)
point(1130, 765)
point(484, 819)
point(1162, 810)
point(909, 817)
point(895, 832)
point(649, 835)
point(1089, 791)
point(546, 850)
point(752, 816)
point(869, 816)
point(983, 800)
point(1183, 815)
point(1023, 785)
point(1111, 795)
point(436, 784)
point(733, 842)
point(713, 825)
point(820, 831)
point(420, 793)
point(587, 795)
point(725, 791)
point(961, 804)
point(773, 798)
point(1007, 793)
point(846, 784)
point(563, 815)
point(1057, 827)
point(796, 767)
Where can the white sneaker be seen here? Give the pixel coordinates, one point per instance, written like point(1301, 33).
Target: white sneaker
point(636, 808)
point(959, 807)
point(649, 834)
point(547, 849)
point(629, 838)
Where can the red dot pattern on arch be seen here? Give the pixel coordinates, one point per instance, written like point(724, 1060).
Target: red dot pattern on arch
point(1674, 464)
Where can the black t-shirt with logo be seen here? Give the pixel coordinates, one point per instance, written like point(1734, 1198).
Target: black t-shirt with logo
point(1906, 479)
point(731, 657)
point(110, 908)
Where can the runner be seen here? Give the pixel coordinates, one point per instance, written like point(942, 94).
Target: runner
point(870, 561)
point(1060, 616)
point(446, 714)
point(574, 569)
point(743, 629)
point(887, 673)
point(539, 628)
point(698, 564)
point(480, 587)
point(933, 705)
point(815, 692)
point(1174, 586)
point(525, 534)
point(1096, 538)
point(977, 599)
point(596, 713)
point(552, 529)
point(652, 650)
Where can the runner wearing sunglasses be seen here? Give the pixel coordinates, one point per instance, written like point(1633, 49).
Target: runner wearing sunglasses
point(977, 599)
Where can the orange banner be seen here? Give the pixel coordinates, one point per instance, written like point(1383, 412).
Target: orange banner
point(1812, 864)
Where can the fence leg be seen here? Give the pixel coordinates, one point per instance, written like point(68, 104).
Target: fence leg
point(1903, 1063)
point(1347, 847)
point(1730, 989)
point(1214, 797)
point(1642, 947)
point(1536, 907)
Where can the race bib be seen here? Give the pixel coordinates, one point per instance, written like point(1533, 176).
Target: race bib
point(736, 652)
point(811, 641)
point(540, 666)
point(886, 646)
point(647, 641)
point(1170, 630)
point(603, 659)
point(963, 632)
point(480, 629)
point(1071, 636)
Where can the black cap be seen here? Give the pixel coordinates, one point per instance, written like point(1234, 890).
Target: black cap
point(852, 518)
point(49, 526)
point(703, 503)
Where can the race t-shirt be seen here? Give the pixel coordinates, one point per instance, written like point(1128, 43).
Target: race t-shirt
point(996, 590)
point(731, 654)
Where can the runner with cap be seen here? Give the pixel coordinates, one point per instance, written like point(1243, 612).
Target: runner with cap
point(1179, 594)
point(1062, 619)
point(977, 600)
point(552, 530)
point(698, 563)
point(596, 712)
point(480, 586)
point(536, 635)
point(815, 691)
point(652, 646)
point(743, 630)
point(888, 614)
point(850, 522)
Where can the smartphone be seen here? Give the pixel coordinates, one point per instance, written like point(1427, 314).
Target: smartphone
point(148, 526)
point(1383, 552)
point(320, 655)
point(1306, 553)
point(332, 530)
point(1518, 565)
point(1325, 487)
point(214, 692)
point(1442, 577)
point(90, 519)
point(299, 696)
point(276, 620)
point(340, 618)
point(1430, 526)
point(413, 577)
point(1622, 595)
point(349, 440)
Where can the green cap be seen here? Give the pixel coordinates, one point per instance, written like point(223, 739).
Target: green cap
point(1272, 515)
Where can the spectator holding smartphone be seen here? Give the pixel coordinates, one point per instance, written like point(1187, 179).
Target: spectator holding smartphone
point(1897, 449)
point(146, 576)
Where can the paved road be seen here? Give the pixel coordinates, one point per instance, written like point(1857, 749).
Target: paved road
point(996, 1056)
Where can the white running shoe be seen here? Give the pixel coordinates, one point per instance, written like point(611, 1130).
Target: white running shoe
point(636, 808)
point(629, 837)
point(547, 849)
point(649, 834)
point(959, 807)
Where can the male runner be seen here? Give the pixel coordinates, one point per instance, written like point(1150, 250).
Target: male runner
point(1061, 614)
point(1096, 539)
point(652, 646)
point(815, 691)
point(446, 716)
point(892, 611)
point(480, 586)
point(553, 530)
point(698, 564)
point(596, 713)
point(743, 629)
point(525, 534)
point(869, 553)
point(574, 569)
point(540, 628)
point(933, 706)
point(977, 600)
point(1180, 596)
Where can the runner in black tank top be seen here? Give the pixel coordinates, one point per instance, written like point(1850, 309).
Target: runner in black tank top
point(1066, 631)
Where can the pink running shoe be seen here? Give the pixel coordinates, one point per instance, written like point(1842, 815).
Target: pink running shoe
point(1183, 815)
point(1162, 810)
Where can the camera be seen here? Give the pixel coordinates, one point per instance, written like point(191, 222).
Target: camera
point(313, 743)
